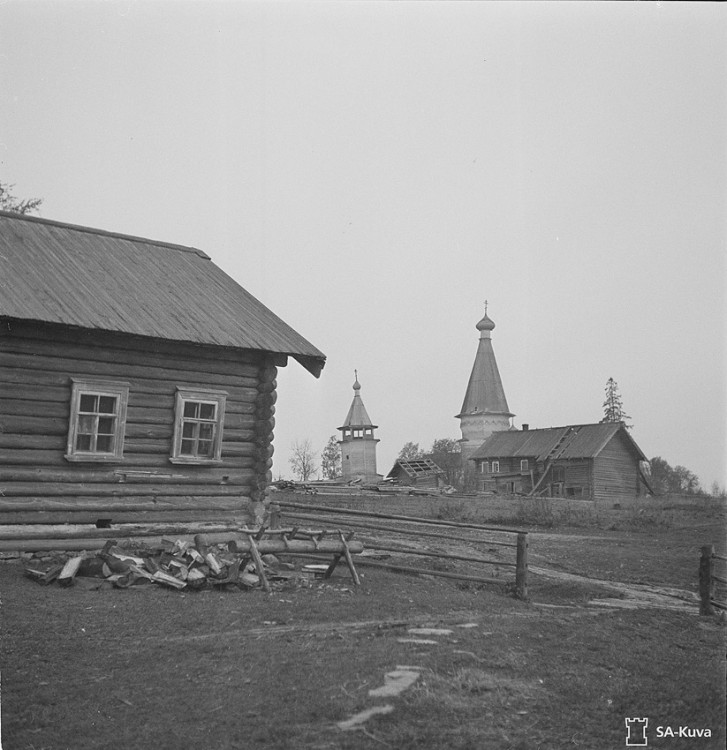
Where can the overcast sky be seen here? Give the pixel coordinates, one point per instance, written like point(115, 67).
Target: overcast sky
point(374, 172)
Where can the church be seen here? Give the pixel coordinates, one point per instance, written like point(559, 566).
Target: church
point(588, 461)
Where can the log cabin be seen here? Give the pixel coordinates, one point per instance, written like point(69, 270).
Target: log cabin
point(137, 385)
point(589, 461)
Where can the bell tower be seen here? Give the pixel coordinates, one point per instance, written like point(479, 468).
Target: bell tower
point(485, 409)
point(358, 444)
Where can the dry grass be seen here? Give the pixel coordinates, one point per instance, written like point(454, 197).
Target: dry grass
point(92, 668)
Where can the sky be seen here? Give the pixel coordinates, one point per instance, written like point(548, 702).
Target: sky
point(374, 171)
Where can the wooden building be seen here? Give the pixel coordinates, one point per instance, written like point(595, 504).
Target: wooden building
point(137, 380)
point(418, 472)
point(484, 409)
point(358, 441)
point(590, 461)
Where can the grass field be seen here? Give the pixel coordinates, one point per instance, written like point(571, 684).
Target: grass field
point(146, 667)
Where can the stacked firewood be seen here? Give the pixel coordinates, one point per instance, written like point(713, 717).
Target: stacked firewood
point(176, 564)
point(180, 564)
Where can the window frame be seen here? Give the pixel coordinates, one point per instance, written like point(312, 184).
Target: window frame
point(198, 395)
point(117, 389)
point(495, 467)
point(524, 464)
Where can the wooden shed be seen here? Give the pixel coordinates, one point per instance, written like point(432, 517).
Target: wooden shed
point(590, 461)
point(137, 384)
point(418, 472)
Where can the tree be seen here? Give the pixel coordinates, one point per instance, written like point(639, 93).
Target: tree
point(410, 452)
point(678, 480)
point(613, 410)
point(303, 459)
point(331, 459)
point(447, 454)
point(8, 202)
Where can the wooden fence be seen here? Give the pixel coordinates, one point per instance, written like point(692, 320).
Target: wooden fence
point(471, 534)
point(712, 585)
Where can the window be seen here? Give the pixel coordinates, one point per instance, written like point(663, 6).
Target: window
point(495, 467)
point(198, 419)
point(97, 420)
point(484, 467)
point(358, 433)
point(524, 465)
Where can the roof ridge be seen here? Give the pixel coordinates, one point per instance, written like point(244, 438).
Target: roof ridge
point(103, 232)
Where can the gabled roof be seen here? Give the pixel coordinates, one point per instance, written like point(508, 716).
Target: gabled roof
point(418, 467)
point(89, 278)
point(485, 394)
point(571, 441)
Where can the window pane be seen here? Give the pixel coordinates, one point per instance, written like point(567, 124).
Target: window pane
point(188, 429)
point(206, 431)
point(88, 402)
point(107, 404)
point(204, 448)
point(87, 424)
point(83, 442)
point(191, 409)
point(207, 411)
point(105, 443)
point(106, 425)
point(187, 448)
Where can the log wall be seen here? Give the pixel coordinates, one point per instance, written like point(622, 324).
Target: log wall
point(615, 471)
point(38, 485)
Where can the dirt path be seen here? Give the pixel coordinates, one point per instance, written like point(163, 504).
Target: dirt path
point(630, 595)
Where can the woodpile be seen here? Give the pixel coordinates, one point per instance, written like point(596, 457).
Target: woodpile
point(246, 562)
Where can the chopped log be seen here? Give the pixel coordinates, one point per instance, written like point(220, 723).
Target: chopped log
point(161, 577)
point(207, 554)
point(35, 574)
point(254, 551)
point(66, 576)
point(92, 567)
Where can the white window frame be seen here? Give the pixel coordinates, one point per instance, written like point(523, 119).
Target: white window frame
point(116, 389)
point(484, 467)
point(495, 467)
point(204, 396)
point(524, 465)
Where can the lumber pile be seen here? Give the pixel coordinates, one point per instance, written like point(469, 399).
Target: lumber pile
point(247, 562)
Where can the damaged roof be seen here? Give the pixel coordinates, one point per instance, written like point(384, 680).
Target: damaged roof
point(571, 441)
point(417, 467)
point(54, 272)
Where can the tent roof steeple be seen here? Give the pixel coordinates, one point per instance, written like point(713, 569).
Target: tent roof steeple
point(485, 394)
point(357, 415)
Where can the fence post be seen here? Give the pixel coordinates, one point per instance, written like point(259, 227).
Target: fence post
point(521, 566)
point(706, 582)
point(274, 516)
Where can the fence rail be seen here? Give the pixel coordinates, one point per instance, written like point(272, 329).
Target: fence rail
point(412, 526)
point(708, 580)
